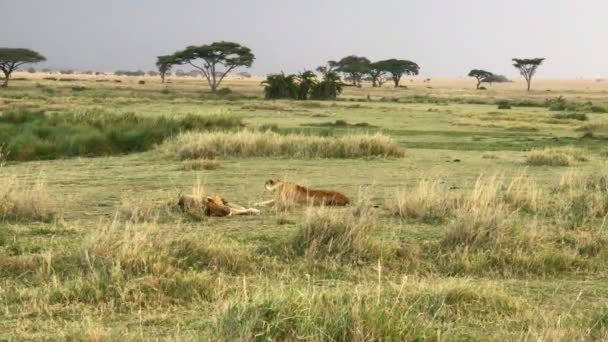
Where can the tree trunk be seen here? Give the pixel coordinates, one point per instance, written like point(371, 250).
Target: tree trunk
point(396, 80)
point(162, 78)
point(529, 81)
point(6, 77)
point(478, 84)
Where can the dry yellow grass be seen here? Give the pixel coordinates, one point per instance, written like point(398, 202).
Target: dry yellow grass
point(269, 144)
point(21, 201)
point(562, 156)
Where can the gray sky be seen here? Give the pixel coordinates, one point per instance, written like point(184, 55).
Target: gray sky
point(446, 37)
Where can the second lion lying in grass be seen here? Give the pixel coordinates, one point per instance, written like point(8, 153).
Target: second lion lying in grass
point(291, 193)
point(213, 206)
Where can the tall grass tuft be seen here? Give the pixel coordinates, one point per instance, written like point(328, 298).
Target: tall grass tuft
point(563, 156)
point(337, 234)
point(28, 202)
point(427, 202)
point(269, 144)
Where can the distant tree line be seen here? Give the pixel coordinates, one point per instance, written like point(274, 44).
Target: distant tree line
point(216, 60)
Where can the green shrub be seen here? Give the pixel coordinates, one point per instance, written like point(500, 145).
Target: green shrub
point(557, 104)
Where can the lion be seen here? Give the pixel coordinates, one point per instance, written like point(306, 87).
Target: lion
point(214, 206)
point(294, 193)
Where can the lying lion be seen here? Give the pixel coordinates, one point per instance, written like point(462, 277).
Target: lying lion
point(294, 193)
point(214, 206)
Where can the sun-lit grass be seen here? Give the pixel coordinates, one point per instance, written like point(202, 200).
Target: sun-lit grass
point(270, 144)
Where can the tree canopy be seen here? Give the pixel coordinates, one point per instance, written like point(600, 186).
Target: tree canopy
point(164, 64)
point(527, 67)
point(376, 73)
point(11, 59)
point(481, 76)
point(352, 66)
point(398, 67)
point(207, 59)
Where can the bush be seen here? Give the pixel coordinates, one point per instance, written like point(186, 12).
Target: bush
point(557, 104)
point(223, 92)
point(598, 109)
point(31, 135)
point(141, 82)
point(503, 104)
point(280, 86)
point(270, 144)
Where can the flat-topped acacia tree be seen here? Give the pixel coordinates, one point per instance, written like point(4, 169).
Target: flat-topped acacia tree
point(481, 76)
point(397, 68)
point(354, 67)
point(11, 59)
point(527, 67)
point(207, 59)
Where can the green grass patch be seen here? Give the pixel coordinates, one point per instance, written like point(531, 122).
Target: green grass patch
point(37, 135)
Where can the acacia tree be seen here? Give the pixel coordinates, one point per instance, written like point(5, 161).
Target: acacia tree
point(164, 64)
point(354, 67)
point(527, 67)
point(481, 76)
point(376, 73)
point(399, 67)
point(228, 55)
point(11, 59)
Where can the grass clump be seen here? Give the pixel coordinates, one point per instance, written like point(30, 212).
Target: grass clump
point(571, 116)
point(503, 104)
point(271, 144)
point(338, 235)
point(427, 202)
point(31, 135)
point(201, 164)
point(22, 202)
point(563, 156)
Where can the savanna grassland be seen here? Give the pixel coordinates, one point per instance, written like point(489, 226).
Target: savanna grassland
point(468, 222)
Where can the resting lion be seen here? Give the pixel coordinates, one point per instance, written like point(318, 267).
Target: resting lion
point(214, 206)
point(294, 193)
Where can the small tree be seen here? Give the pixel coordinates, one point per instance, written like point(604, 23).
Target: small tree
point(399, 67)
point(11, 59)
point(527, 67)
point(481, 76)
point(354, 67)
point(164, 64)
point(229, 55)
point(280, 86)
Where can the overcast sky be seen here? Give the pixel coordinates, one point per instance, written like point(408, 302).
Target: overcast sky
point(446, 37)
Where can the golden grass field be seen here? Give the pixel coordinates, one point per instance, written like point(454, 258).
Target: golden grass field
point(468, 222)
